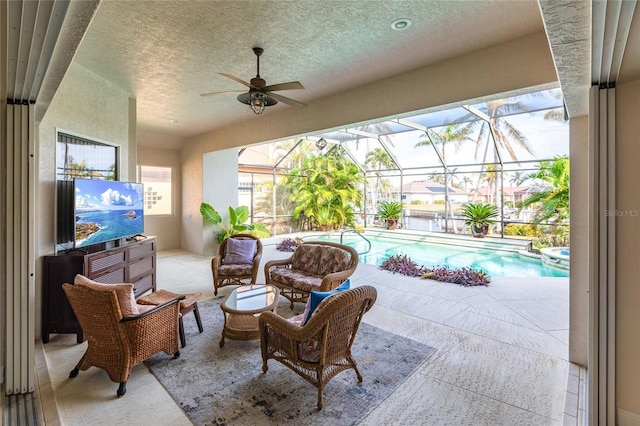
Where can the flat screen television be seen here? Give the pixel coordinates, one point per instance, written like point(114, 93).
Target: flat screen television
point(99, 211)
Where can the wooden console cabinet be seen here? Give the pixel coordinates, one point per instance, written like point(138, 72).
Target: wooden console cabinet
point(131, 262)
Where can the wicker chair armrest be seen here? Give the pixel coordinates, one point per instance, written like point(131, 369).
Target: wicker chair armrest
point(278, 262)
point(293, 332)
point(273, 263)
point(333, 280)
point(366, 294)
point(155, 309)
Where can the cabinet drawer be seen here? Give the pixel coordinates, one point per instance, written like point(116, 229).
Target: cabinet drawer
point(141, 250)
point(140, 267)
point(143, 285)
point(113, 277)
point(104, 261)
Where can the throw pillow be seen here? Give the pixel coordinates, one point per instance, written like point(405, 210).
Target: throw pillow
point(239, 251)
point(315, 297)
point(124, 293)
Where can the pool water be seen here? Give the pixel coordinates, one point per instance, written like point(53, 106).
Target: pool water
point(430, 255)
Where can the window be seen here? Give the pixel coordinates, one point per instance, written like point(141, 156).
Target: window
point(84, 158)
point(157, 190)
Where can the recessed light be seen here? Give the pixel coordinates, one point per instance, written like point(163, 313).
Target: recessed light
point(173, 121)
point(401, 24)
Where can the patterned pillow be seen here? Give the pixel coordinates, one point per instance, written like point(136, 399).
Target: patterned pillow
point(315, 297)
point(124, 293)
point(240, 251)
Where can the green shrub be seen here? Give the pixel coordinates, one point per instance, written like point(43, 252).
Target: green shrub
point(522, 230)
point(417, 202)
point(554, 239)
point(438, 201)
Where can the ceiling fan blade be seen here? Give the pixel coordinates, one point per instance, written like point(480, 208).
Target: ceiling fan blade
point(234, 78)
point(222, 93)
point(287, 101)
point(284, 86)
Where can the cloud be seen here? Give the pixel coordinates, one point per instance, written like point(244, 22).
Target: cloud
point(112, 197)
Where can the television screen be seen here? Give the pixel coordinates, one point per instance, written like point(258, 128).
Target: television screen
point(107, 210)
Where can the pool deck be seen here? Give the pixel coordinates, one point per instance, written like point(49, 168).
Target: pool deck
point(501, 353)
point(514, 245)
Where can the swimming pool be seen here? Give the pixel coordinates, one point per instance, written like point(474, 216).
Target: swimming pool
point(494, 263)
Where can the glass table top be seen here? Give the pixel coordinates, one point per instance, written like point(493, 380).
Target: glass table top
point(251, 297)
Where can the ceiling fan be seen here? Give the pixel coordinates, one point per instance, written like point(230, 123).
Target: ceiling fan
point(260, 95)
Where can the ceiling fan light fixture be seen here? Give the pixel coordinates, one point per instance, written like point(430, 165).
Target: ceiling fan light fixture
point(257, 103)
point(257, 100)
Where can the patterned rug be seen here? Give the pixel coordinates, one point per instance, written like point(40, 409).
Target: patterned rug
point(226, 386)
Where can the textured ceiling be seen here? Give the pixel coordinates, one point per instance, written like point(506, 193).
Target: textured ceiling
point(167, 53)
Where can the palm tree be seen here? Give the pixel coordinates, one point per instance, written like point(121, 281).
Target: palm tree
point(450, 134)
point(506, 134)
point(490, 176)
point(378, 159)
point(325, 191)
point(517, 178)
point(554, 197)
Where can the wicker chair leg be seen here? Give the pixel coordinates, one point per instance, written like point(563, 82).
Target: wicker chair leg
point(183, 338)
point(319, 398)
point(176, 355)
point(74, 373)
point(196, 313)
point(122, 389)
point(355, 367)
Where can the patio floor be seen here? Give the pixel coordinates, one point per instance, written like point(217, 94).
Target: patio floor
point(501, 354)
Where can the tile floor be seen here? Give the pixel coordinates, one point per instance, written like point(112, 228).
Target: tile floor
point(501, 354)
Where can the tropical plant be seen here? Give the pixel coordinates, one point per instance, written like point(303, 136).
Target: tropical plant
point(378, 159)
point(506, 135)
point(288, 244)
point(479, 216)
point(236, 225)
point(451, 134)
point(390, 210)
point(522, 230)
point(466, 276)
point(559, 237)
point(554, 197)
point(402, 264)
point(325, 191)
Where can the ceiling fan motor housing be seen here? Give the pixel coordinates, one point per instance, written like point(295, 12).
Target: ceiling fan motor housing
point(258, 82)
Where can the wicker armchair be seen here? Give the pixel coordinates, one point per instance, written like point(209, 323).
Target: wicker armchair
point(235, 274)
point(117, 344)
point(321, 348)
point(314, 265)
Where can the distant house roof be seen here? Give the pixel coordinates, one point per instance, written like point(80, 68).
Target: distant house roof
point(509, 190)
point(427, 187)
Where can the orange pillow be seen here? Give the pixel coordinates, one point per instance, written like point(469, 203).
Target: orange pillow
point(124, 293)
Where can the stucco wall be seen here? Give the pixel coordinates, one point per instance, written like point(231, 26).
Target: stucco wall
point(627, 253)
point(87, 105)
point(579, 273)
point(166, 228)
point(220, 174)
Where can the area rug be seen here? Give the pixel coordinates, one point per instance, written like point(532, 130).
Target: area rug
point(226, 386)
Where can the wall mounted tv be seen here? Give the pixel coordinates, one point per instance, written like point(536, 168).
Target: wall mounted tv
point(97, 211)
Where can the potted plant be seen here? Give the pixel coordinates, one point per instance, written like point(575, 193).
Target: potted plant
point(237, 219)
point(390, 212)
point(479, 216)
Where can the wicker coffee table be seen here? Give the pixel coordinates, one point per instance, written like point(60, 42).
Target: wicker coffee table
point(243, 306)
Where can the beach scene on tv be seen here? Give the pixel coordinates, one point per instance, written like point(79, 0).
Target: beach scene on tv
point(107, 210)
